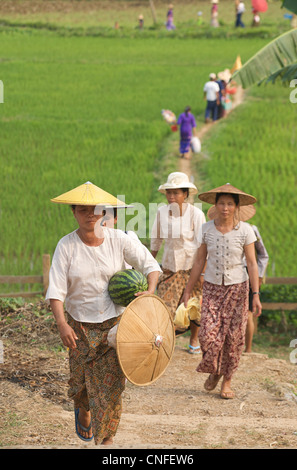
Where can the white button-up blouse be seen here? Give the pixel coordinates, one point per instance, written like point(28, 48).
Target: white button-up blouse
point(225, 253)
point(180, 236)
point(79, 274)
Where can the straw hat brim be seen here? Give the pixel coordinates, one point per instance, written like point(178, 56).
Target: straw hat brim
point(178, 180)
point(245, 212)
point(244, 198)
point(145, 340)
point(190, 186)
point(88, 194)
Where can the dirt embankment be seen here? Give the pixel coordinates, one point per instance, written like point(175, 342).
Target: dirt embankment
point(175, 412)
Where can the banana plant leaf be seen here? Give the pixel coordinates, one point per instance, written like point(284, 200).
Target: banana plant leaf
point(290, 5)
point(277, 59)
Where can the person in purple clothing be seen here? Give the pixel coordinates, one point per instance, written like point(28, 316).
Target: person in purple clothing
point(187, 128)
point(169, 23)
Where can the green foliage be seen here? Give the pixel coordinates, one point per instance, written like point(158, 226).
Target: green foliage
point(187, 30)
point(255, 151)
point(83, 109)
point(278, 320)
point(277, 59)
point(10, 304)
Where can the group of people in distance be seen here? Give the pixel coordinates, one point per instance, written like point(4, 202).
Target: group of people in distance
point(213, 261)
point(217, 91)
point(214, 16)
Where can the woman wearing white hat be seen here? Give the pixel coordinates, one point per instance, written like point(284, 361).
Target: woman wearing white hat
point(178, 225)
point(82, 265)
point(224, 241)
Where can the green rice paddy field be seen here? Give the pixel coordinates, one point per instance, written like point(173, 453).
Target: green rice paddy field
point(79, 108)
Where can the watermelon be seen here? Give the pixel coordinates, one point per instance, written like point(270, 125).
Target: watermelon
point(124, 284)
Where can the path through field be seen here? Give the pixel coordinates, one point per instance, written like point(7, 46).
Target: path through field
point(173, 413)
point(185, 164)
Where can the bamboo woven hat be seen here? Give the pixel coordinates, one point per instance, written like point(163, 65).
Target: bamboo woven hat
point(178, 180)
point(245, 212)
point(145, 340)
point(244, 198)
point(88, 194)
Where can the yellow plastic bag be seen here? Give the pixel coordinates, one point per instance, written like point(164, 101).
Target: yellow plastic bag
point(183, 314)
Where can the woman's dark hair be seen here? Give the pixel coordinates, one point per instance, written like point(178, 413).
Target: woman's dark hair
point(234, 196)
point(185, 190)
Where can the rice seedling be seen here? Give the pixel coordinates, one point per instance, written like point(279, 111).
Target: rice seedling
point(89, 108)
point(256, 152)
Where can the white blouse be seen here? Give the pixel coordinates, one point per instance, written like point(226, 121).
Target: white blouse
point(225, 253)
point(79, 274)
point(180, 235)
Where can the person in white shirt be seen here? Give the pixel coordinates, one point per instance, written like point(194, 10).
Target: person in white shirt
point(82, 265)
point(178, 225)
point(224, 241)
point(240, 9)
point(262, 260)
point(212, 96)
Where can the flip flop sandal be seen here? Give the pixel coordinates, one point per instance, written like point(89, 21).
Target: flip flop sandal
point(77, 425)
point(194, 350)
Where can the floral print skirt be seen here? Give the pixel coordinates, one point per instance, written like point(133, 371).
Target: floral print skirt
point(171, 288)
point(96, 379)
point(224, 315)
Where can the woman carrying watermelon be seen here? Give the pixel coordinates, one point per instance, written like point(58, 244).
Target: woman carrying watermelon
point(178, 225)
point(83, 263)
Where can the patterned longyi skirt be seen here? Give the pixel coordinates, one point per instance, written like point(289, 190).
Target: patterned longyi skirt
point(96, 379)
point(224, 315)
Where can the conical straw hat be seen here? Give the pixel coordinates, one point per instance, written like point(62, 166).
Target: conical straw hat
point(245, 212)
point(145, 340)
point(244, 198)
point(88, 194)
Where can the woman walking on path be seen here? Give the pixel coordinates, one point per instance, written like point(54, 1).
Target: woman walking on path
point(223, 242)
point(178, 225)
point(169, 22)
point(187, 127)
point(82, 265)
point(246, 213)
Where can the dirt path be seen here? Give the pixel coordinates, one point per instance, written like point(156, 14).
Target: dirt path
point(185, 165)
point(174, 412)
